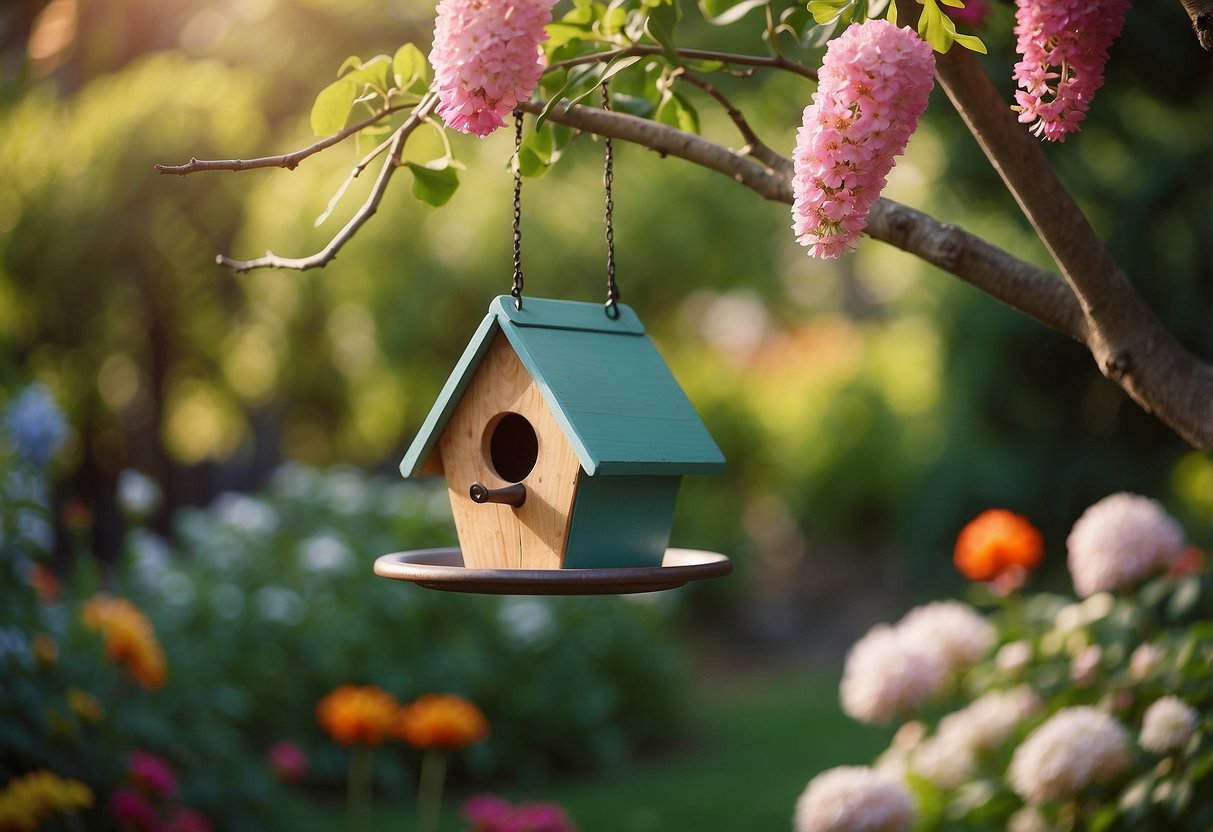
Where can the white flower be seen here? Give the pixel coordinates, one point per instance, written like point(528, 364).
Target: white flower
point(1144, 661)
point(1084, 668)
point(1074, 748)
point(138, 495)
point(949, 758)
point(150, 556)
point(1167, 725)
point(325, 551)
point(1013, 657)
point(952, 630)
point(886, 675)
point(1028, 819)
point(1119, 541)
point(854, 799)
point(245, 514)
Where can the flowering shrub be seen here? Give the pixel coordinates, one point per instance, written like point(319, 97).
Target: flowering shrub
point(188, 676)
point(1044, 713)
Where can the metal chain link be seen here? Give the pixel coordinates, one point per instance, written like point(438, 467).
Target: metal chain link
point(517, 290)
point(608, 179)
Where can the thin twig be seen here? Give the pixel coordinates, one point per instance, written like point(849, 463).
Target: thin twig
point(755, 146)
point(287, 160)
point(772, 62)
point(364, 213)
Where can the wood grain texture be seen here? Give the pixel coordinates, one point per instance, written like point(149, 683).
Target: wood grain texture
point(533, 536)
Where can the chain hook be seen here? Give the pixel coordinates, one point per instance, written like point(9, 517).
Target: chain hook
point(516, 291)
point(611, 307)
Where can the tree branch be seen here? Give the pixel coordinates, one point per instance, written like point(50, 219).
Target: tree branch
point(1200, 12)
point(771, 62)
point(290, 161)
point(755, 147)
point(364, 213)
point(1129, 343)
point(1030, 289)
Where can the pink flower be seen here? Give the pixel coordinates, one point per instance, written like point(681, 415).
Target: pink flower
point(132, 811)
point(152, 774)
point(1064, 44)
point(873, 87)
point(486, 59)
point(486, 812)
point(973, 14)
point(287, 761)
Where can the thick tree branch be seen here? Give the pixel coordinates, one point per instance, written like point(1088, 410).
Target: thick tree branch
point(364, 213)
point(1021, 285)
point(1129, 343)
point(290, 161)
point(1200, 12)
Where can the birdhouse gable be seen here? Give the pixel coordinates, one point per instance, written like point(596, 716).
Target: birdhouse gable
point(603, 380)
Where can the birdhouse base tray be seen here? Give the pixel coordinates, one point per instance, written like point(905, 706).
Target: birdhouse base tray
point(443, 569)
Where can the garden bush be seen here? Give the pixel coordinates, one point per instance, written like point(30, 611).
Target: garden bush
point(1046, 713)
point(218, 645)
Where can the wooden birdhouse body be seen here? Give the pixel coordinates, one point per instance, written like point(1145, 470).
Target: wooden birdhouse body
point(578, 412)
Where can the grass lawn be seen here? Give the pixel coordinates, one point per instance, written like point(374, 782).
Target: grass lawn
point(757, 741)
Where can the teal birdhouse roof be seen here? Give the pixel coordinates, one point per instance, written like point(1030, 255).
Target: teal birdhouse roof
point(603, 380)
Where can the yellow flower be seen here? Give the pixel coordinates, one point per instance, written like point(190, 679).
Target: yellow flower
point(84, 705)
point(129, 638)
point(358, 715)
point(439, 720)
point(30, 799)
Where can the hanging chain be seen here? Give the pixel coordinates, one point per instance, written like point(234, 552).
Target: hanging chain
point(608, 179)
point(516, 164)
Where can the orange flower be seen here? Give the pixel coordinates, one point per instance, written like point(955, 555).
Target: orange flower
point(442, 721)
point(997, 541)
point(358, 715)
point(129, 638)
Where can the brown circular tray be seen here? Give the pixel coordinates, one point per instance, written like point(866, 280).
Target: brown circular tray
point(443, 569)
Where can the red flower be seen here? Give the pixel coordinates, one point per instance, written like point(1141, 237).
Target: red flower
point(997, 542)
point(187, 820)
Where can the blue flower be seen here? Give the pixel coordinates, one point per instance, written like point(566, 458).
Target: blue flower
point(35, 425)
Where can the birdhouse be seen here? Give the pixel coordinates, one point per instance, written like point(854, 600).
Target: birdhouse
point(563, 438)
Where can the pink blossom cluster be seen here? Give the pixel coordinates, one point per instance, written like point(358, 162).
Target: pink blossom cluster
point(486, 59)
point(872, 88)
point(1064, 44)
point(146, 804)
point(489, 813)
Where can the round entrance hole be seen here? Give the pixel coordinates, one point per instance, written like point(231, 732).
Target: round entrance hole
point(513, 446)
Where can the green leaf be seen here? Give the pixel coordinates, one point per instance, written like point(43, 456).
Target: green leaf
point(970, 42)
point(332, 107)
point(825, 11)
point(676, 111)
point(375, 73)
point(724, 12)
point(352, 62)
point(660, 27)
point(411, 69)
point(435, 182)
point(614, 67)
